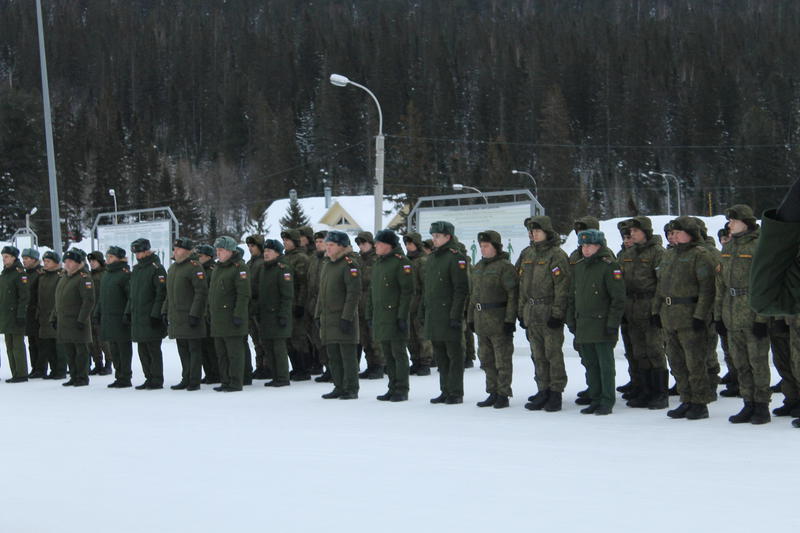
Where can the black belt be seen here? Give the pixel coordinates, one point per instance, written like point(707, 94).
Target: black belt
point(539, 301)
point(737, 292)
point(641, 295)
point(669, 300)
point(498, 305)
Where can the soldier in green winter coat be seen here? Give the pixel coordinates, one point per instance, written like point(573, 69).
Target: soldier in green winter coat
point(14, 298)
point(492, 315)
point(543, 294)
point(46, 301)
point(183, 309)
point(319, 356)
point(388, 311)
point(228, 303)
point(442, 306)
point(255, 244)
point(299, 350)
point(205, 255)
point(148, 290)
point(337, 314)
point(683, 307)
point(640, 264)
point(72, 316)
point(712, 338)
point(419, 347)
point(596, 305)
point(109, 311)
point(97, 348)
point(372, 349)
point(33, 268)
point(746, 331)
point(781, 347)
point(275, 297)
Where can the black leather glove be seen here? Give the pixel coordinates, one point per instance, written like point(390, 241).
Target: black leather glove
point(345, 326)
point(509, 328)
point(471, 326)
point(236, 321)
point(781, 326)
point(156, 322)
point(194, 321)
point(719, 325)
point(760, 330)
point(455, 324)
point(54, 324)
point(611, 332)
point(80, 326)
point(282, 322)
point(402, 325)
point(698, 325)
point(522, 324)
point(554, 323)
point(298, 311)
point(655, 321)
point(20, 321)
point(126, 319)
point(789, 210)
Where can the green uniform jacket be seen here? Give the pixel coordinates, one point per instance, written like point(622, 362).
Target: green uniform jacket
point(275, 298)
point(148, 290)
point(733, 278)
point(229, 297)
point(32, 314)
point(254, 266)
point(46, 301)
point(110, 308)
point(417, 267)
point(597, 301)
point(544, 276)
point(446, 289)
point(314, 270)
point(298, 261)
point(14, 297)
point(686, 271)
point(187, 294)
point(74, 305)
point(493, 295)
point(775, 275)
point(640, 265)
point(97, 279)
point(367, 262)
point(389, 296)
point(339, 292)
point(208, 268)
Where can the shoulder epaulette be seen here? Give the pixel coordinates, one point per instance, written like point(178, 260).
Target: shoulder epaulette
point(84, 274)
point(608, 260)
point(195, 263)
point(453, 250)
point(20, 269)
point(348, 259)
point(399, 256)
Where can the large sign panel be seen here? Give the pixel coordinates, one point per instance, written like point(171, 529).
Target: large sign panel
point(122, 235)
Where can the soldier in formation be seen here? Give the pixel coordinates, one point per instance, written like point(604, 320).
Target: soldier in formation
point(206, 255)
point(33, 269)
point(367, 344)
point(419, 347)
point(72, 316)
point(274, 303)
point(14, 298)
point(255, 244)
point(299, 350)
point(114, 327)
point(97, 264)
point(319, 358)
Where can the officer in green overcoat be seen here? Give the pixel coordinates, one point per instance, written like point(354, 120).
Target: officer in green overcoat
point(596, 305)
point(72, 316)
point(255, 244)
point(205, 255)
point(115, 327)
point(299, 350)
point(337, 314)
point(33, 268)
point(148, 290)
point(388, 311)
point(184, 306)
point(274, 311)
point(492, 315)
point(319, 357)
point(419, 347)
point(367, 344)
point(97, 265)
point(14, 298)
point(46, 301)
point(443, 304)
point(228, 303)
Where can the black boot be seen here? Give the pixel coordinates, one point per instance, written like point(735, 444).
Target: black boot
point(399, 397)
point(760, 413)
point(731, 391)
point(537, 401)
point(786, 408)
point(658, 387)
point(489, 401)
point(584, 393)
point(796, 423)
point(724, 380)
point(622, 388)
point(501, 403)
point(674, 390)
point(439, 399)
point(697, 411)
point(777, 387)
point(742, 416)
point(553, 402)
point(384, 397)
point(642, 398)
point(180, 386)
point(107, 368)
point(424, 370)
point(95, 370)
point(325, 377)
point(680, 411)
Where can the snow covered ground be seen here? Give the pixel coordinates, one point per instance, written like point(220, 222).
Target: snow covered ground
point(97, 459)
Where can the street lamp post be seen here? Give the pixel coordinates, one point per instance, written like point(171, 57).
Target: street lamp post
point(28, 218)
point(113, 194)
point(343, 81)
point(460, 187)
point(666, 175)
point(535, 186)
point(666, 185)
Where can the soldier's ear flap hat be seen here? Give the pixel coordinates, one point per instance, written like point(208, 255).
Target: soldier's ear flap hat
point(389, 237)
point(320, 235)
point(97, 256)
point(272, 244)
point(364, 236)
point(687, 224)
point(586, 222)
point(51, 255)
point(116, 251)
point(742, 212)
point(291, 234)
point(427, 244)
point(257, 240)
point(493, 238)
point(306, 231)
point(416, 238)
point(139, 245)
point(591, 236)
point(75, 254)
point(185, 243)
point(226, 243)
point(206, 249)
point(30, 252)
point(443, 227)
point(338, 237)
point(642, 223)
point(11, 250)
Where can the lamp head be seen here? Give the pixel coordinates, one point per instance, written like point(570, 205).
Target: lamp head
point(339, 80)
point(458, 187)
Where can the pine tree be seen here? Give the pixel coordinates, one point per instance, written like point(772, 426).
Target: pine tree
point(295, 217)
point(187, 211)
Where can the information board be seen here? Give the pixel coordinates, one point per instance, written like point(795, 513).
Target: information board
point(122, 235)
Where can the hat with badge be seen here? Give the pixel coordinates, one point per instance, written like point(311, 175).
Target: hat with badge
point(206, 249)
point(140, 245)
point(11, 250)
point(116, 251)
point(387, 236)
point(338, 237)
point(33, 253)
point(184, 242)
point(225, 243)
point(443, 227)
point(75, 254)
point(274, 244)
point(591, 236)
point(52, 256)
point(320, 234)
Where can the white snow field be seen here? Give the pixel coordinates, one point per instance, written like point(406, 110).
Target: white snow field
point(99, 459)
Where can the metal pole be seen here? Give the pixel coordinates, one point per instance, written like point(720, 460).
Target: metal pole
point(535, 186)
point(666, 183)
point(55, 217)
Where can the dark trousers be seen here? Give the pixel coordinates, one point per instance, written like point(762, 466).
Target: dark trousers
point(600, 372)
point(449, 357)
point(276, 358)
point(17, 360)
point(396, 365)
point(152, 362)
point(51, 353)
point(122, 354)
point(38, 359)
point(191, 353)
point(230, 351)
point(77, 355)
point(210, 360)
point(343, 362)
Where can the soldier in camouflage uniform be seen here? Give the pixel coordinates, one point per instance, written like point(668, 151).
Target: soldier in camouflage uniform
point(746, 331)
point(580, 225)
point(712, 337)
point(388, 310)
point(46, 300)
point(632, 388)
point(109, 310)
point(543, 294)
point(319, 358)
point(640, 264)
point(205, 255)
point(299, 349)
point(419, 347)
point(14, 298)
point(492, 314)
point(255, 244)
point(730, 380)
point(683, 305)
point(275, 297)
point(97, 263)
point(371, 349)
point(30, 260)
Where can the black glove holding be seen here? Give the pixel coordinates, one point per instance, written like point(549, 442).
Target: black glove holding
point(509, 328)
point(156, 322)
point(455, 324)
point(760, 330)
point(719, 325)
point(282, 322)
point(54, 324)
point(402, 325)
point(655, 321)
point(611, 332)
point(80, 326)
point(522, 324)
point(554, 323)
point(298, 311)
point(20, 321)
point(236, 321)
point(698, 324)
point(345, 326)
point(789, 210)
point(781, 326)
point(194, 321)
point(126, 319)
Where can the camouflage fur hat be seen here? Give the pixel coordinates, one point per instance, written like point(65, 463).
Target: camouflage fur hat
point(307, 232)
point(320, 235)
point(443, 227)
point(591, 236)
point(541, 222)
point(116, 251)
point(225, 243)
point(742, 212)
point(492, 237)
point(364, 236)
point(256, 240)
point(427, 244)
point(416, 238)
point(291, 234)
point(702, 226)
point(586, 222)
point(687, 224)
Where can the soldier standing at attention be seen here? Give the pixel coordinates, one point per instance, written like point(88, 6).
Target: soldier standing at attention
point(97, 263)
point(446, 293)
point(730, 380)
point(789, 385)
point(684, 303)
point(14, 298)
point(388, 311)
point(307, 240)
point(46, 300)
point(712, 361)
point(109, 310)
point(274, 312)
point(746, 331)
point(319, 358)
point(228, 300)
point(337, 315)
point(72, 316)
point(30, 260)
point(299, 350)
point(255, 244)
point(183, 308)
point(205, 255)
point(419, 347)
point(492, 314)
point(596, 305)
point(371, 348)
point(148, 290)
point(632, 388)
